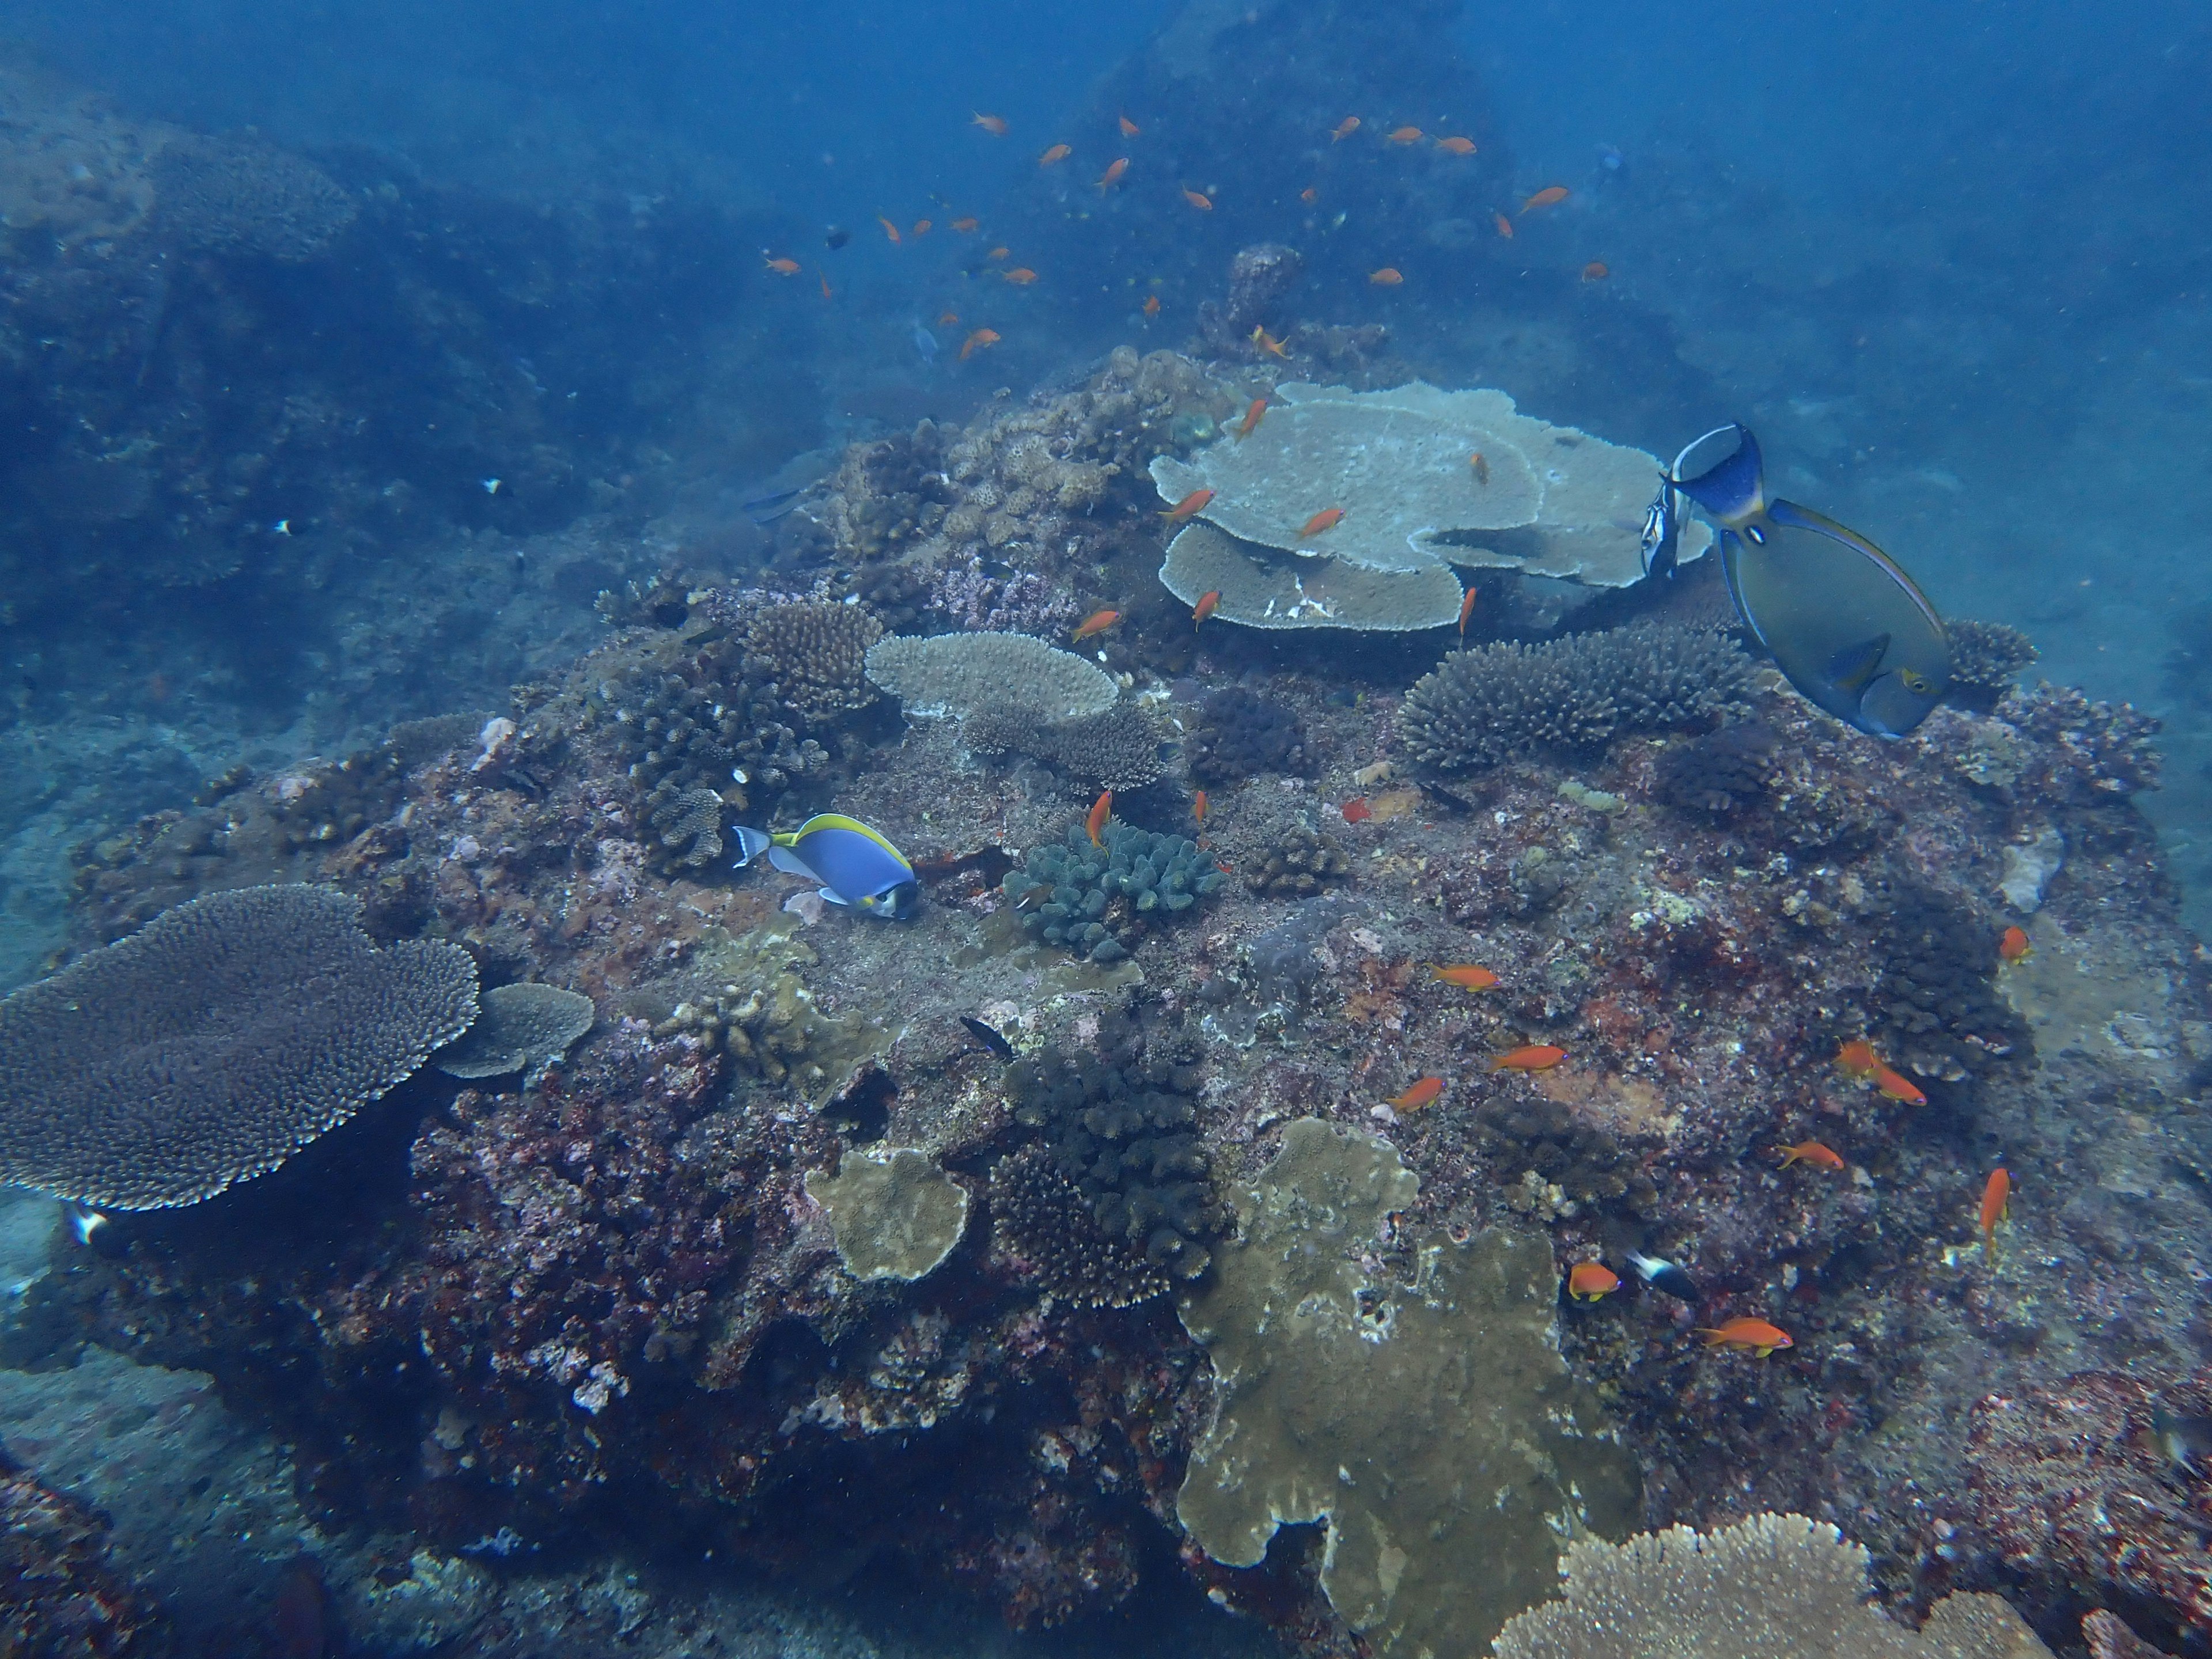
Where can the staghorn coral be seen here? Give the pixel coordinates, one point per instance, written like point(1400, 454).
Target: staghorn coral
point(1770, 1587)
point(1378, 1402)
point(1098, 900)
point(1238, 733)
point(1985, 659)
point(59, 1596)
point(816, 656)
point(894, 1213)
point(210, 1047)
point(1117, 749)
point(1042, 1218)
point(518, 1026)
point(1495, 701)
point(1121, 1129)
point(953, 675)
point(243, 196)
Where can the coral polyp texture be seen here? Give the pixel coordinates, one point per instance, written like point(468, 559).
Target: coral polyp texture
point(897, 1215)
point(517, 1027)
point(1379, 1402)
point(953, 675)
point(212, 1045)
point(1770, 1586)
point(1496, 701)
point(1098, 899)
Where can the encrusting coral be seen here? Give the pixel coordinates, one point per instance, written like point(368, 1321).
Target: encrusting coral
point(1770, 1587)
point(246, 196)
point(896, 1214)
point(206, 1049)
point(519, 1027)
point(1379, 1403)
point(1496, 701)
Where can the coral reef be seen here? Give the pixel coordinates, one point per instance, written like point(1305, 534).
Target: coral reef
point(1044, 1219)
point(1261, 278)
point(60, 1598)
point(1936, 1012)
point(816, 655)
point(1259, 588)
point(1099, 899)
point(1119, 1127)
point(2089, 752)
point(2072, 1480)
point(1496, 701)
point(1297, 861)
point(1722, 773)
point(1985, 660)
point(1238, 734)
point(245, 196)
point(954, 675)
point(1770, 1586)
point(894, 1213)
point(1578, 1154)
point(1378, 1401)
point(517, 1028)
point(207, 1050)
point(887, 495)
point(687, 825)
point(1117, 749)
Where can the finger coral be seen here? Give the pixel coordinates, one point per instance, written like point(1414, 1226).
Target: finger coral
point(210, 1047)
point(1496, 701)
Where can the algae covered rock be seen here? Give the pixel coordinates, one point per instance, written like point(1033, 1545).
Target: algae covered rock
point(896, 1214)
point(1431, 1423)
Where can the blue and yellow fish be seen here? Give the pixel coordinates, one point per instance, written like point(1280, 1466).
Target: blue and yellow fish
point(853, 864)
point(1848, 627)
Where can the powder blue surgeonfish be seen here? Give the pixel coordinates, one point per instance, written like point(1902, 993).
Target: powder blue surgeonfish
point(1850, 629)
point(853, 864)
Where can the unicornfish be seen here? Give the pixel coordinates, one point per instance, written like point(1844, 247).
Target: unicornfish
point(853, 864)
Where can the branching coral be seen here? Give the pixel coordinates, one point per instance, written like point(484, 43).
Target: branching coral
point(1985, 659)
point(815, 656)
point(1495, 701)
point(1044, 1220)
point(1117, 749)
point(1237, 733)
point(1936, 1012)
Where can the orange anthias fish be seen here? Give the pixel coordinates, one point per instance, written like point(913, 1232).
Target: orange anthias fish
point(1197, 199)
point(1996, 1204)
point(1745, 1332)
point(1481, 466)
point(1357, 811)
point(1535, 1057)
point(1197, 806)
point(1550, 195)
point(922, 228)
point(1152, 305)
point(1096, 622)
point(1208, 603)
point(783, 267)
point(1020, 276)
point(982, 340)
point(2014, 946)
point(1857, 1059)
point(1465, 975)
point(1897, 1086)
point(1587, 1281)
point(1129, 129)
point(1504, 225)
point(1389, 276)
point(993, 125)
point(1097, 821)
point(889, 229)
point(1112, 176)
point(1810, 1151)
point(1596, 271)
point(824, 275)
point(1465, 610)
point(1328, 519)
point(997, 253)
point(1419, 1094)
point(1263, 341)
point(1343, 129)
point(1057, 153)
point(1456, 146)
point(1406, 135)
point(1250, 423)
point(1309, 195)
point(966, 225)
point(946, 318)
point(1189, 506)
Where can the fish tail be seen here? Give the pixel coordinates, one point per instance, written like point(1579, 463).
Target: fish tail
point(751, 843)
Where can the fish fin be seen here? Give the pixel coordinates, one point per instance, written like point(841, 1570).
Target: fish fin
point(830, 896)
point(839, 820)
point(751, 843)
point(1788, 514)
point(790, 863)
point(1853, 668)
point(1734, 489)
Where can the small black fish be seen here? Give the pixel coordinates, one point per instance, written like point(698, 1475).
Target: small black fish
point(1664, 1276)
point(1438, 792)
point(989, 1037)
point(836, 237)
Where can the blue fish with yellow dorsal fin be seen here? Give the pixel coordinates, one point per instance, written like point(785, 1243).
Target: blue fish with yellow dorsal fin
point(853, 864)
point(1847, 625)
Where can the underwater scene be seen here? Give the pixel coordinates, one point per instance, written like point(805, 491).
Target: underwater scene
point(1266, 828)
